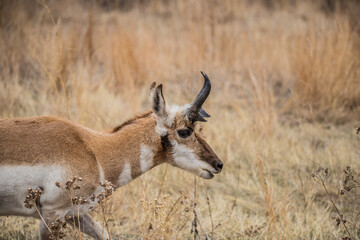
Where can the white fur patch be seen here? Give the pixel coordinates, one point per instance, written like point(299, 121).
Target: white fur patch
point(125, 176)
point(172, 111)
point(186, 159)
point(160, 129)
point(15, 180)
point(146, 158)
point(101, 172)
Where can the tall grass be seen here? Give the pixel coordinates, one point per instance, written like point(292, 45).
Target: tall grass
point(326, 63)
point(284, 100)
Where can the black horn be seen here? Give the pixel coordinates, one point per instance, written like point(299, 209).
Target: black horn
point(195, 112)
point(204, 114)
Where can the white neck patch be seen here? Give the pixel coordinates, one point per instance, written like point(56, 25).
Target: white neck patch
point(101, 173)
point(125, 176)
point(146, 158)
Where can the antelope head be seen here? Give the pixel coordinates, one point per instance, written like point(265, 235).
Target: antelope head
point(177, 127)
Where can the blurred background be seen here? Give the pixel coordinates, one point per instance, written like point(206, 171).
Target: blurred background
point(285, 102)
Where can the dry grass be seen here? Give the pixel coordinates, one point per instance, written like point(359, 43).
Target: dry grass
point(285, 99)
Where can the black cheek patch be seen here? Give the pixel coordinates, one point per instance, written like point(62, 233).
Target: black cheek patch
point(165, 142)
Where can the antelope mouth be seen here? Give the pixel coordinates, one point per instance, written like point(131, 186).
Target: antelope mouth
point(207, 174)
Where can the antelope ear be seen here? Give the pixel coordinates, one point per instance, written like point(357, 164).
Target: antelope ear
point(152, 87)
point(158, 102)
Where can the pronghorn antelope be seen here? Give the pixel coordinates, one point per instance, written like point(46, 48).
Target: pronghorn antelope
point(38, 152)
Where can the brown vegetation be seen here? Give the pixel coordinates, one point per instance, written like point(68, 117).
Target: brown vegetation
point(285, 99)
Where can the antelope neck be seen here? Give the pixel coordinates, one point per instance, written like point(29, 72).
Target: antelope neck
point(131, 151)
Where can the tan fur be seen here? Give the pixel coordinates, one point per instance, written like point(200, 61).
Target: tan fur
point(123, 146)
point(61, 147)
point(47, 141)
point(51, 140)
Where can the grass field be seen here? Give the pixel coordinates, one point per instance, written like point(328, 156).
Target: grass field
point(285, 101)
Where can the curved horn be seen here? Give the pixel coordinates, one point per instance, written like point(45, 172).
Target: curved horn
point(195, 111)
point(203, 94)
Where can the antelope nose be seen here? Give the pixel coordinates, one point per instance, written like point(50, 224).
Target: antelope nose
point(220, 165)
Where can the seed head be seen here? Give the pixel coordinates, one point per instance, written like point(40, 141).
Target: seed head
point(32, 197)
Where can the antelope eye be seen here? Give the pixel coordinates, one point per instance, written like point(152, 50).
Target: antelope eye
point(184, 133)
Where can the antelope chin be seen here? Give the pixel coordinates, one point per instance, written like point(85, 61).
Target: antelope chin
point(206, 174)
